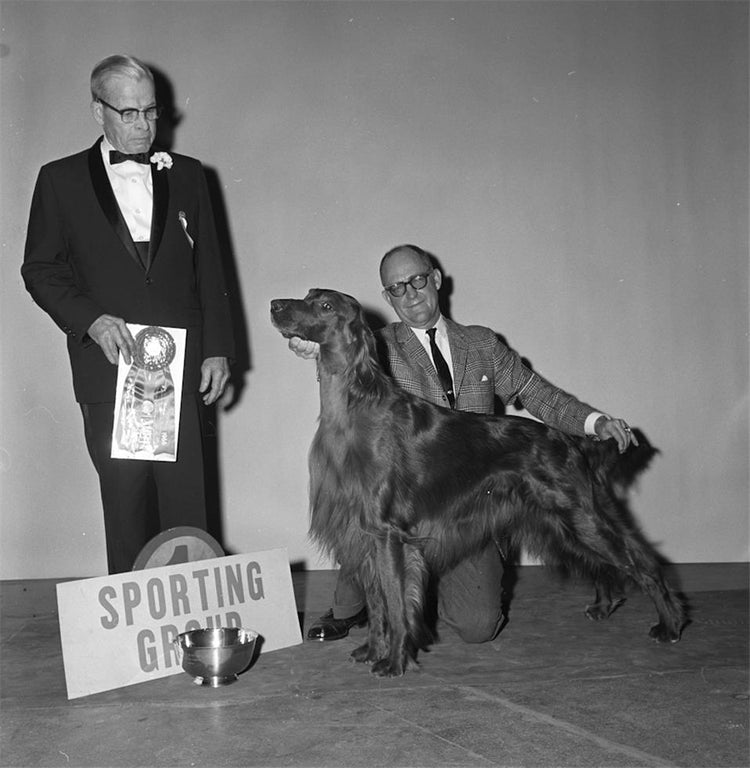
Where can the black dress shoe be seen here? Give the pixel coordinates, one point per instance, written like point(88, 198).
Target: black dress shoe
point(328, 628)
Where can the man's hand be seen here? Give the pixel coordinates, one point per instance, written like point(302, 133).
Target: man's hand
point(617, 429)
point(112, 335)
point(214, 377)
point(309, 350)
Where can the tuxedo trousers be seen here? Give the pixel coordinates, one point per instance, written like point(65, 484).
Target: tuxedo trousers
point(469, 597)
point(142, 498)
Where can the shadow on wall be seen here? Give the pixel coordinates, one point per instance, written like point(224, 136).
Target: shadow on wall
point(170, 119)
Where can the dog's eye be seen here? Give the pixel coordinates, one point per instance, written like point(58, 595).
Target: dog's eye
point(327, 306)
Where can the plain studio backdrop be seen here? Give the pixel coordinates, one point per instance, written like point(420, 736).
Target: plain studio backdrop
point(579, 169)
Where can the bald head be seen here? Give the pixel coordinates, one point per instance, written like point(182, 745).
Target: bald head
point(412, 253)
point(403, 269)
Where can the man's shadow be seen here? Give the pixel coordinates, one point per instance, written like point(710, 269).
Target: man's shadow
point(166, 129)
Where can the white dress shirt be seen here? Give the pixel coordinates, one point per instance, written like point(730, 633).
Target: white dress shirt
point(441, 339)
point(133, 188)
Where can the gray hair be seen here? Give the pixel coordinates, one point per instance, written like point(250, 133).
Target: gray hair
point(112, 66)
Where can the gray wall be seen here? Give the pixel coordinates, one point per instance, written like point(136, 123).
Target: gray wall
point(580, 169)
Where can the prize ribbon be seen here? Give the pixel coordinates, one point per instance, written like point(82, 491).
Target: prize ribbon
point(147, 413)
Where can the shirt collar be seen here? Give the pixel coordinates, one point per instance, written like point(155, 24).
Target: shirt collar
point(105, 148)
point(442, 328)
point(441, 334)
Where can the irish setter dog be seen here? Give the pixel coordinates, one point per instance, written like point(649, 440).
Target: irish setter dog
point(401, 488)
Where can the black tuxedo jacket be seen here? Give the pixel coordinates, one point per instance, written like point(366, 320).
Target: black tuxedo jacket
point(80, 262)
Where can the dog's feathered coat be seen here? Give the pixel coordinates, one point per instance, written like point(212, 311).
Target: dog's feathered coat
point(400, 488)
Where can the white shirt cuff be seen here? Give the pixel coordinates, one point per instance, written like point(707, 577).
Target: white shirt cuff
point(588, 425)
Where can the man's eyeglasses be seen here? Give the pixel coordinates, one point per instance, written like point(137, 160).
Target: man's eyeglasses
point(417, 282)
point(130, 115)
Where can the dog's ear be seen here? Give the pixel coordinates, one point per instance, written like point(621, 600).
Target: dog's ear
point(362, 350)
point(350, 344)
point(356, 325)
point(356, 329)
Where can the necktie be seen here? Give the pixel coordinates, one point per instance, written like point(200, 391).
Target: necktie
point(115, 156)
point(446, 380)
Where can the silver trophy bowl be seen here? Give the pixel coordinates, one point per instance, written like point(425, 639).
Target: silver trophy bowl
point(215, 656)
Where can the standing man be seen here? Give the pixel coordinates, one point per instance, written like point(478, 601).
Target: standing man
point(120, 235)
point(461, 367)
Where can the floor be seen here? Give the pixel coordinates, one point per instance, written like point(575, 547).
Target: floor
point(553, 690)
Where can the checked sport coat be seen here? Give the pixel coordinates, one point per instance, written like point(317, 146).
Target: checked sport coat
point(483, 368)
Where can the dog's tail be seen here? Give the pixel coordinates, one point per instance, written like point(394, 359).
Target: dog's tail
point(617, 470)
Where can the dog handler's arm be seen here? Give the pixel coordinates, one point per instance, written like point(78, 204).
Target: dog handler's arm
point(308, 350)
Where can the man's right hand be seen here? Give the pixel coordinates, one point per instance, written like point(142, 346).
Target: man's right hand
point(112, 335)
point(309, 350)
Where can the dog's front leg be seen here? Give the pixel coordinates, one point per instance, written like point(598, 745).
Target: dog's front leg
point(390, 568)
point(375, 647)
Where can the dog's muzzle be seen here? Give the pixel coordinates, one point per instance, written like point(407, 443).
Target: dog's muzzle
point(280, 311)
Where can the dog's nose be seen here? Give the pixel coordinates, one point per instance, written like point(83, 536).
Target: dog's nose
point(277, 305)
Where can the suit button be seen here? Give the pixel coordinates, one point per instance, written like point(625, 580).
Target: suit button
point(149, 281)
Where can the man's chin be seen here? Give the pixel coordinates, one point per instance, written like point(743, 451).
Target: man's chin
point(136, 147)
point(419, 320)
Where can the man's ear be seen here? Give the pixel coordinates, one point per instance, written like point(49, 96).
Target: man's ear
point(437, 278)
point(97, 109)
point(388, 298)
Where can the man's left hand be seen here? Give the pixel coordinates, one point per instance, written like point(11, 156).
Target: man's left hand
point(617, 429)
point(214, 377)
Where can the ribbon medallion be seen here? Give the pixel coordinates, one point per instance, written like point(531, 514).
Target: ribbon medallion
point(147, 419)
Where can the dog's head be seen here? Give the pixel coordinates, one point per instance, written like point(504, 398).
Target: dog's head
point(332, 319)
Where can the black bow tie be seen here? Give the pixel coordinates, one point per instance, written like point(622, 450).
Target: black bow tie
point(115, 156)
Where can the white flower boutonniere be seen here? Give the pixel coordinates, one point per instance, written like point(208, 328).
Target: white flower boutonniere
point(162, 160)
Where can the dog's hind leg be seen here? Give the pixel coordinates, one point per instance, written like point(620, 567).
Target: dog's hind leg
point(581, 524)
point(604, 604)
point(615, 544)
point(640, 562)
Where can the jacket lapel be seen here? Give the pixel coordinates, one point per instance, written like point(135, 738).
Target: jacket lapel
point(413, 350)
point(108, 202)
point(459, 353)
point(160, 185)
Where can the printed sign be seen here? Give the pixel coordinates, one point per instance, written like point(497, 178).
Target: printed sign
point(149, 395)
point(119, 630)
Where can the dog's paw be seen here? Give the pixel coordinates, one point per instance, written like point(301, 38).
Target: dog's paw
point(362, 654)
point(600, 611)
point(387, 668)
point(412, 665)
point(596, 612)
point(664, 634)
